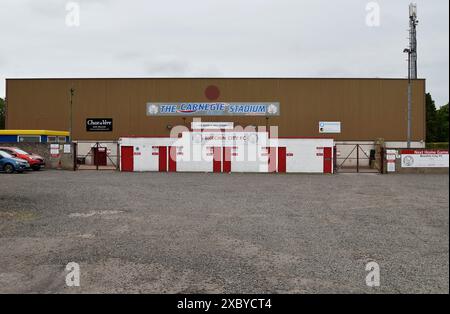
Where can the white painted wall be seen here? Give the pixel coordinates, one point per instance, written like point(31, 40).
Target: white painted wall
point(305, 158)
point(246, 155)
point(195, 158)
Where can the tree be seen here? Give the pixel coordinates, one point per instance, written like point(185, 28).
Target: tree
point(431, 119)
point(2, 114)
point(442, 124)
point(437, 121)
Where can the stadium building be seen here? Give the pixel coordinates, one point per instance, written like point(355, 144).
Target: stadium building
point(358, 114)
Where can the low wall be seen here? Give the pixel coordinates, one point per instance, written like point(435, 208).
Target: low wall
point(62, 161)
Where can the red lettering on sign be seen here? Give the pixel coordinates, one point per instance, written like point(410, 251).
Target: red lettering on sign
point(424, 152)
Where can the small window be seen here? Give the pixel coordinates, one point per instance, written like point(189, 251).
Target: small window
point(29, 139)
point(52, 139)
point(62, 139)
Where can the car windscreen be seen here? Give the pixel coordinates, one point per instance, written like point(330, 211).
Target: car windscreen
point(5, 154)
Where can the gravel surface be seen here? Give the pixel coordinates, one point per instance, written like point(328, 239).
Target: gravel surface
point(221, 233)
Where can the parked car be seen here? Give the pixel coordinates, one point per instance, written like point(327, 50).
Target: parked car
point(10, 164)
point(36, 162)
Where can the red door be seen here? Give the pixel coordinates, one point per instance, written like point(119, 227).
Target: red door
point(100, 156)
point(162, 158)
point(173, 159)
point(227, 159)
point(327, 160)
point(272, 159)
point(282, 159)
point(217, 161)
point(127, 158)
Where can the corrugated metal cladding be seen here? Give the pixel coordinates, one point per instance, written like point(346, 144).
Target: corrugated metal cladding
point(367, 108)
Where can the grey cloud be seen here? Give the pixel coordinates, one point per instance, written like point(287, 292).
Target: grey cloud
point(221, 38)
point(168, 67)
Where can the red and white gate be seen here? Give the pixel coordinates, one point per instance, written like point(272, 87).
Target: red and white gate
point(227, 152)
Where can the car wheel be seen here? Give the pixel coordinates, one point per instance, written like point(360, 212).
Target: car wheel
point(8, 168)
point(36, 168)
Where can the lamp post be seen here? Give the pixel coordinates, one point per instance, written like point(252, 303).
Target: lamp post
point(72, 93)
point(408, 132)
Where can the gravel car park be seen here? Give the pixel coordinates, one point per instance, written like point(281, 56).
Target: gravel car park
point(221, 233)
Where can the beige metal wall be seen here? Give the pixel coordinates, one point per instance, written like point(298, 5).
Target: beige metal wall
point(367, 108)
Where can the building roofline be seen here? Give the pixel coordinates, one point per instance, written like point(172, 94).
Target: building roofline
point(34, 132)
point(215, 78)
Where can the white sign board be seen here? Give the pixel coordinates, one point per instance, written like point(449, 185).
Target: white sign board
point(54, 149)
point(424, 158)
point(391, 155)
point(391, 166)
point(329, 127)
point(196, 125)
point(66, 148)
point(226, 138)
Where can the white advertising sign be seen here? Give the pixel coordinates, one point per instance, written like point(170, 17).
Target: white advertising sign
point(227, 138)
point(424, 158)
point(329, 127)
point(391, 166)
point(54, 149)
point(212, 125)
point(391, 155)
point(66, 148)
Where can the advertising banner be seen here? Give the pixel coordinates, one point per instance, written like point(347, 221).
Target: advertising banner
point(226, 138)
point(423, 158)
point(214, 109)
point(99, 125)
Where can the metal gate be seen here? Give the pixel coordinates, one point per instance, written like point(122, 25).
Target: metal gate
point(96, 155)
point(358, 158)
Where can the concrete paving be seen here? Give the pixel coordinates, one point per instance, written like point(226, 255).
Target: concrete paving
point(222, 233)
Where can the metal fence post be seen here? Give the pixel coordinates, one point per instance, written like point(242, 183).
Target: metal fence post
point(334, 159)
point(96, 155)
point(74, 151)
point(357, 158)
point(118, 157)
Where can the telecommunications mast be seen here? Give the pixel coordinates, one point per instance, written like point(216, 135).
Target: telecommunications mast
point(412, 62)
point(413, 21)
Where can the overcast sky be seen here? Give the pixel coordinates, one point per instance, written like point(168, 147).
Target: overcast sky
point(222, 38)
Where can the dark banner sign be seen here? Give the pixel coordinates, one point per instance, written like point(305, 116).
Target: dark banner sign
point(99, 125)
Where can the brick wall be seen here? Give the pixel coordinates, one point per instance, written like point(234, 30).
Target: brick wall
point(63, 161)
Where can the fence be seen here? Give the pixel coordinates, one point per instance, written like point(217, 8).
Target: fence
point(96, 155)
point(358, 158)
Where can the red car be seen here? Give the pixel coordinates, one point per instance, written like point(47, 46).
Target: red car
point(36, 162)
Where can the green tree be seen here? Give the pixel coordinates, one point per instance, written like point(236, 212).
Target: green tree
point(2, 114)
point(442, 124)
point(431, 119)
